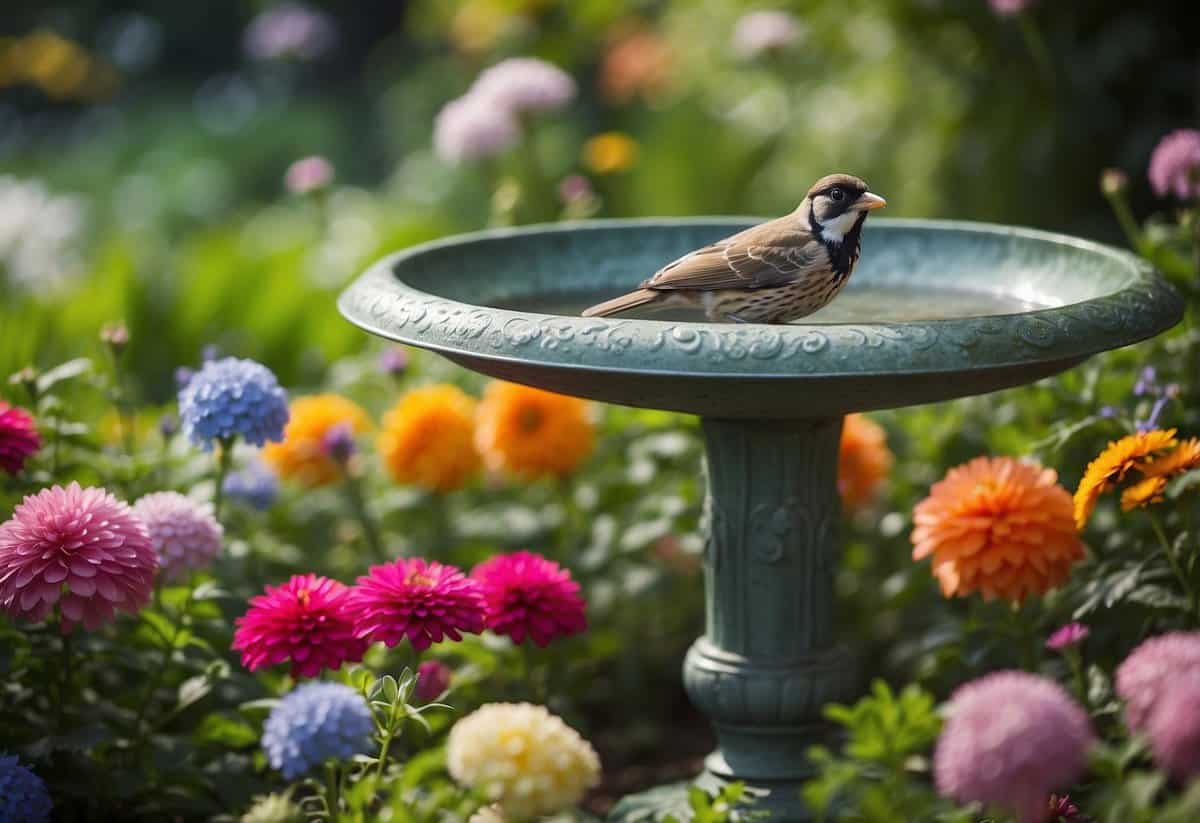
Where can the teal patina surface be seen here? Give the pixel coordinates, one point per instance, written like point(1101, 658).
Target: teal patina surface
point(935, 310)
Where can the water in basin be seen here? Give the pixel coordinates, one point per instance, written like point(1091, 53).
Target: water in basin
point(862, 304)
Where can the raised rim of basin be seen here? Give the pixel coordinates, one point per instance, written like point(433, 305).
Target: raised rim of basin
point(381, 302)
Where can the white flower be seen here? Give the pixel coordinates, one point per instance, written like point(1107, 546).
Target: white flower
point(525, 84)
point(488, 814)
point(526, 760)
point(763, 31)
point(472, 128)
point(38, 235)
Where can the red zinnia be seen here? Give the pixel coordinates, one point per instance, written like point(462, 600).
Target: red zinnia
point(306, 620)
point(423, 601)
point(526, 594)
point(19, 438)
point(82, 549)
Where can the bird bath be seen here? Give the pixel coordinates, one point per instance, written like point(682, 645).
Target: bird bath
point(935, 310)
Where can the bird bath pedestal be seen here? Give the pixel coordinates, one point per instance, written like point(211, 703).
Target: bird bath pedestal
point(935, 310)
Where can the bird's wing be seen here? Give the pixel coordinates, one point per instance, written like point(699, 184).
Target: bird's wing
point(756, 258)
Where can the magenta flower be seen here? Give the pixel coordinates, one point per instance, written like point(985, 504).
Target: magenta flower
point(82, 549)
point(423, 601)
point(308, 174)
point(1009, 8)
point(184, 533)
point(433, 678)
point(306, 620)
point(1175, 165)
point(473, 128)
point(1071, 634)
point(1173, 728)
point(526, 594)
point(1011, 738)
point(525, 84)
point(1145, 673)
point(19, 439)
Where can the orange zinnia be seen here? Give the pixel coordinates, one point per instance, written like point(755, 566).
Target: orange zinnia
point(428, 439)
point(302, 455)
point(864, 460)
point(532, 433)
point(1112, 464)
point(997, 526)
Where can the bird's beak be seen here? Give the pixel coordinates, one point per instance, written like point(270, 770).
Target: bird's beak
point(869, 202)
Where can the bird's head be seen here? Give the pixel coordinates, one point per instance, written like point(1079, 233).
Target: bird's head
point(837, 202)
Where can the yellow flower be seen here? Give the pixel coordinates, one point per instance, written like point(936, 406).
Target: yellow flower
point(302, 455)
point(997, 526)
point(610, 152)
point(522, 758)
point(1143, 493)
point(428, 439)
point(1158, 471)
point(532, 433)
point(864, 460)
point(1112, 464)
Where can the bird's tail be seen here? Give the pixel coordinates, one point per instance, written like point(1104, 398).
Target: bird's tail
point(623, 303)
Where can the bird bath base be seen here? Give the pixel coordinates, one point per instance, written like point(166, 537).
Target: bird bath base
point(987, 307)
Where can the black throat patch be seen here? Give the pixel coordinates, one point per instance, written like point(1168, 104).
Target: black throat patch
point(843, 255)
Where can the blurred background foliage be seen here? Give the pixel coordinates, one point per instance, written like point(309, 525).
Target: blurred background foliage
point(143, 144)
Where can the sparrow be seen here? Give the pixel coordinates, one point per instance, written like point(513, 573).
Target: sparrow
point(770, 273)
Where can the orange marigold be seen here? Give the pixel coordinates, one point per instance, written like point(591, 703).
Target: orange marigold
point(302, 455)
point(532, 433)
point(1150, 489)
point(1112, 464)
point(428, 439)
point(997, 526)
point(1146, 491)
point(864, 460)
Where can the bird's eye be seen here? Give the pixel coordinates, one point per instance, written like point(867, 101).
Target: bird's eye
point(836, 194)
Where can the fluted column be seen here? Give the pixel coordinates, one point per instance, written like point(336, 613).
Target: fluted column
point(767, 662)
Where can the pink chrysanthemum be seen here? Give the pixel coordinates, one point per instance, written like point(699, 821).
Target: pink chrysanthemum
point(306, 620)
point(80, 548)
point(1174, 728)
point(185, 534)
point(525, 84)
point(1011, 739)
point(526, 594)
point(472, 128)
point(1143, 676)
point(19, 439)
point(423, 601)
point(1175, 165)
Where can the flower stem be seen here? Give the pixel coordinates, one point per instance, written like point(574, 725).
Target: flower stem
point(159, 673)
point(224, 463)
point(1027, 635)
point(1037, 47)
point(333, 800)
point(1124, 215)
point(1193, 599)
point(352, 487)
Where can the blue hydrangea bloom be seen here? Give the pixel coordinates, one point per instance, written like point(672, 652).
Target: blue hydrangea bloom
point(23, 795)
point(316, 722)
point(231, 397)
point(255, 485)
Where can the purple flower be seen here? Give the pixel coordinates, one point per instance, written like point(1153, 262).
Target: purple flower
point(1146, 383)
point(308, 174)
point(338, 443)
point(1174, 728)
point(289, 30)
point(1009, 8)
point(1062, 810)
point(1010, 739)
point(184, 533)
point(255, 485)
point(1071, 634)
point(1151, 421)
point(525, 84)
point(183, 376)
point(231, 397)
point(473, 128)
point(574, 188)
point(1175, 165)
point(433, 678)
point(1144, 675)
point(760, 32)
point(393, 360)
point(1108, 412)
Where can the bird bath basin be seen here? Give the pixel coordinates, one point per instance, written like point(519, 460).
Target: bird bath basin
point(934, 310)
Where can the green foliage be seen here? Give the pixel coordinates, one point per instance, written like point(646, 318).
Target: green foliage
point(728, 804)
